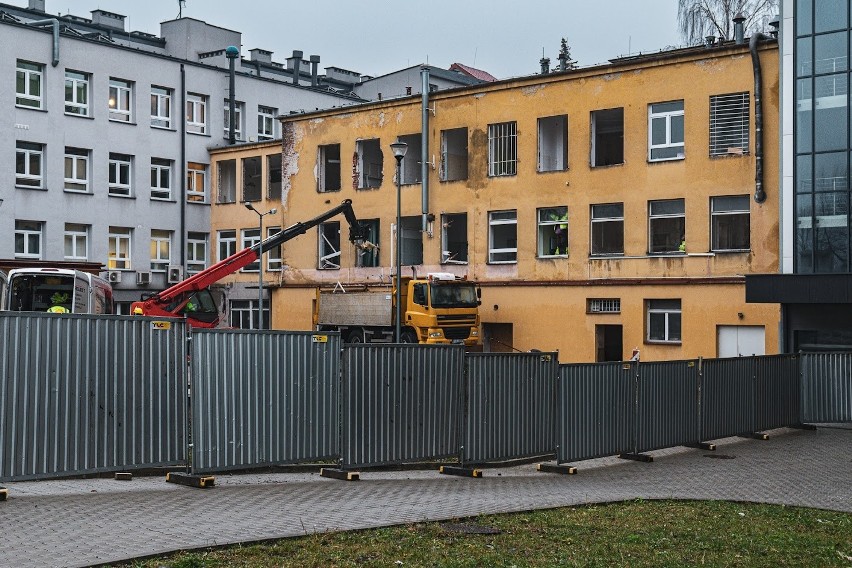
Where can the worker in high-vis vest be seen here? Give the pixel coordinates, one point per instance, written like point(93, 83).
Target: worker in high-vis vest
point(561, 230)
point(58, 299)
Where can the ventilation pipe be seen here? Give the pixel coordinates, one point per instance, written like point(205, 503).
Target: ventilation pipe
point(739, 29)
point(231, 52)
point(759, 193)
point(424, 145)
point(297, 64)
point(183, 166)
point(315, 59)
point(55, 23)
point(563, 61)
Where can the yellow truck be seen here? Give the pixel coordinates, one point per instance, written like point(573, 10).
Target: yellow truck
point(440, 308)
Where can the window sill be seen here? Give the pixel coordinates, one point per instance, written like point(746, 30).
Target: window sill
point(165, 128)
point(501, 262)
point(610, 255)
point(76, 115)
point(729, 155)
point(328, 190)
point(128, 122)
point(122, 196)
point(77, 192)
point(30, 187)
point(497, 176)
point(731, 251)
point(664, 160)
point(602, 166)
point(663, 342)
point(565, 169)
point(164, 199)
point(203, 134)
point(454, 263)
point(667, 254)
point(188, 202)
point(552, 256)
point(37, 109)
point(452, 180)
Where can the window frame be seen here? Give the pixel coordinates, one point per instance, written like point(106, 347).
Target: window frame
point(729, 213)
point(371, 229)
point(76, 156)
point(160, 166)
point(25, 178)
point(559, 226)
point(558, 126)
point(116, 237)
point(196, 174)
point(120, 91)
point(324, 161)
point(23, 99)
point(503, 149)
point(494, 222)
point(249, 238)
point(667, 116)
point(74, 235)
point(668, 313)
point(652, 217)
point(119, 163)
point(196, 113)
point(323, 262)
point(601, 220)
point(733, 115)
point(160, 262)
point(274, 258)
point(228, 239)
point(26, 234)
point(266, 117)
point(196, 242)
point(238, 123)
point(77, 79)
point(159, 96)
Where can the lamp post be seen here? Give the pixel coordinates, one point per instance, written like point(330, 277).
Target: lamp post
point(260, 217)
point(399, 149)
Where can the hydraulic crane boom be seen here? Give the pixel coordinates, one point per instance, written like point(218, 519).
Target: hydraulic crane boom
point(190, 297)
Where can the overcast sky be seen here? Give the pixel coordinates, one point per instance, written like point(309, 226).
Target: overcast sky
point(373, 37)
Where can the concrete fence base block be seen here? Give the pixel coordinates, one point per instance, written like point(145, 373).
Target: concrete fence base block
point(333, 473)
point(3, 493)
point(754, 436)
point(460, 471)
point(636, 457)
point(706, 446)
point(804, 427)
point(199, 481)
point(551, 468)
point(123, 476)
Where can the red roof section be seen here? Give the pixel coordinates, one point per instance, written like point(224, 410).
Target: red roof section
point(473, 72)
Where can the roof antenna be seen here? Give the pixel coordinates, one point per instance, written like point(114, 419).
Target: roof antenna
point(181, 5)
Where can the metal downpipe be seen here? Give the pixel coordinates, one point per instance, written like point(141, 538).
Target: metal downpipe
point(424, 146)
point(55, 23)
point(759, 193)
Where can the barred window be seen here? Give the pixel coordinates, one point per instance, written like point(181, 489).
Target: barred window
point(729, 128)
point(502, 149)
point(604, 305)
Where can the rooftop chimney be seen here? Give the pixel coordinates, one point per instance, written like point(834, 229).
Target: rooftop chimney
point(261, 55)
point(37, 5)
point(739, 29)
point(315, 59)
point(294, 63)
point(108, 19)
point(545, 65)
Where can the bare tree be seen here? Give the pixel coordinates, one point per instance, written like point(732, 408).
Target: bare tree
point(697, 19)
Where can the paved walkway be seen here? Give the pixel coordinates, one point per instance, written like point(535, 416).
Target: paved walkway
point(83, 522)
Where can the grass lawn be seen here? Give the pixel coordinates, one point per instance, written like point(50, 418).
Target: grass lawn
point(635, 533)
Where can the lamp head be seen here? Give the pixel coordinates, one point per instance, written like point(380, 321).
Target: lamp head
point(399, 149)
point(272, 211)
point(249, 206)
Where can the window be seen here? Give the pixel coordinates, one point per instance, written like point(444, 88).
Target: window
point(454, 154)
point(273, 173)
point(227, 241)
point(120, 100)
point(607, 137)
point(454, 238)
point(29, 159)
point(76, 93)
point(196, 113)
point(729, 124)
point(328, 162)
point(273, 255)
point(412, 240)
point(28, 84)
point(410, 167)
point(369, 255)
point(607, 229)
point(553, 143)
point(665, 131)
point(666, 226)
point(119, 248)
point(664, 321)
point(731, 223)
point(238, 120)
point(502, 149)
point(603, 305)
point(161, 250)
point(76, 242)
point(119, 174)
point(196, 182)
point(227, 181)
point(553, 232)
point(76, 169)
point(244, 314)
point(329, 246)
point(250, 238)
point(370, 163)
point(196, 252)
point(503, 236)
point(252, 186)
point(161, 178)
point(266, 123)
point(28, 239)
point(161, 107)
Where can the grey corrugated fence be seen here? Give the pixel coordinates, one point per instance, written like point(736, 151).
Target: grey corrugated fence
point(667, 405)
point(83, 394)
point(777, 391)
point(727, 397)
point(401, 403)
point(263, 397)
point(826, 388)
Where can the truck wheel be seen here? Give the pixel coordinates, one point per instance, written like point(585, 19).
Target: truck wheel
point(355, 336)
point(408, 336)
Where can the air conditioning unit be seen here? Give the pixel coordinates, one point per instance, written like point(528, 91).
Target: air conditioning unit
point(143, 278)
point(174, 274)
point(114, 276)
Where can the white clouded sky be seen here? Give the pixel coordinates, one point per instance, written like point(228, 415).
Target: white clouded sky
point(373, 37)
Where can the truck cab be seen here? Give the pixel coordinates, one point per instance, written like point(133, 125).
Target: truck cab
point(442, 309)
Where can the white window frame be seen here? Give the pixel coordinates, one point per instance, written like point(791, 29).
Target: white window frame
point(119, 248)
point(714, 214)
point(161, 250)
point(161, 107)
point(547, 224)
point(76, 80)
point(325, 248)
point(274, 262)
point(120, 165)
point(668, 313)
point(226, 238)
point(196, 252)
point(31, 234)
point(28, 177)
point(495, 220)
point(503, 149)
point(666, 116)
point(266, 123)
point(249, 238)
point(77, 165)
point(120, 100)
point(238, 123)
point(553, 143)
point(29, 70)
point(158, 168)
point(593, 220)
point(76, 238)
point(652, 217)
point(196, 113)
point(245, 309)
point(196, 182)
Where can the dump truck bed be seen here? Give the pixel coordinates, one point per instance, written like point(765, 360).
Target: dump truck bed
point(362, 309)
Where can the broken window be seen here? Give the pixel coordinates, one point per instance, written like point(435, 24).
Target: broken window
point(329, 246)
point(607, 137)
point(273, 168)
point(454, 238)
point(503, 236)
point(731, 223)
point(729, 124)
point(412, 241)
point(502, 149)
point(666, 226)
point(553, 231)
point(328, 168)
point(411, 168)
point(454, 154)
point(665, 131)
point(607, 229)
point(227, 181)
point(252, 185)
point(368, 255)
point(553, 143)
point(370, 163)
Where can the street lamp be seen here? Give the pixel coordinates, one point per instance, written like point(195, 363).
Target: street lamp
point(399, 149)
point(260, 217)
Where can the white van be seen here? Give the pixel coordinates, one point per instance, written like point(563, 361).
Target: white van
point(57, 290)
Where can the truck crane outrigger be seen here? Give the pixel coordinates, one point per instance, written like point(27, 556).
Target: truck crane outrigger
point(191, 297)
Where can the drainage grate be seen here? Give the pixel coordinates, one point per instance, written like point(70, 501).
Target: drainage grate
point(469, 529)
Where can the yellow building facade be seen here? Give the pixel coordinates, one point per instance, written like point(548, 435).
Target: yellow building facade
point(601, 210)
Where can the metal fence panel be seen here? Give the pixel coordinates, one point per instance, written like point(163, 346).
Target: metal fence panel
point(84, 394)
point(667, 405)
point(727, 397)
point(510, 406)
point(596, 410)
point(400, 403)
point(263, 397)
point(826, 387)
point(777, 391)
